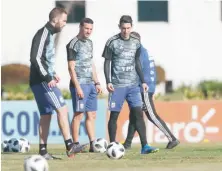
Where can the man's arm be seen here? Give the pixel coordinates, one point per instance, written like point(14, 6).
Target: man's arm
point(72, 73)
point(107, 70)
point(38, 44)
point(95, 78)
point(107, 54)
point(71, 57)
point(138, 66)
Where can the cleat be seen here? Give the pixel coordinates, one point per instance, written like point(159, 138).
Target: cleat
point(126, 146)
point(172, 144)
point(48, 156)
point(149, 149)
point(76, 148)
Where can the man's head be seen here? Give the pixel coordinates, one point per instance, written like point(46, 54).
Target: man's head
point(58, 18)
point(136, 34)
point(125, 25)
point(85, 27)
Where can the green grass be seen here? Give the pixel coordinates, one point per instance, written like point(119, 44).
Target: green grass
point(200, 157)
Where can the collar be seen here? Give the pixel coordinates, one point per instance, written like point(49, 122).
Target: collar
point(123, 38)
point(50, 27)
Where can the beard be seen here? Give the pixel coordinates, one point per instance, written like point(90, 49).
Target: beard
point(57, 28)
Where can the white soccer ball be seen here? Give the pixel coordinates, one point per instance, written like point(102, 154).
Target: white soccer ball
point(5, 147)
point(115, 150)
point(100, 145)
point(24, 145)
point(36, 163)
point(13, 145)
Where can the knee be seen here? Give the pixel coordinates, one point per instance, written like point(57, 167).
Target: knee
point(63, 111)
point(91, 116)
point(78, 116)
point(113, 116)
point(137, 112)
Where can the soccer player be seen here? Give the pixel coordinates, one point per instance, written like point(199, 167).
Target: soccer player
point(123, 52)
point(84, 84)
point(149, 71)
point(43, 80)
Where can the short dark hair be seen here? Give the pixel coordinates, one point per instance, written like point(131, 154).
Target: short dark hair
point(55, 12)
point(86, 20)
point(136, 34)
point(126, 19)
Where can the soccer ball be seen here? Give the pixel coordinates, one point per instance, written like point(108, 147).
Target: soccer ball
point(24, 145)
point(100, 145)
point(115, 150)
point(13, 145)
point(5, 147)
point(36, 162)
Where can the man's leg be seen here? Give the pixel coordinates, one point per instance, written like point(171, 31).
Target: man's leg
point(116, 100)
point(44, 124)
point(90, 128)
point(77, 118)
point(43, 100)
point(131, 132)
point(91, 108)
point(79, 109)
point(112, 125)
point(155, 119)
point(58, 104)
point(134, 100)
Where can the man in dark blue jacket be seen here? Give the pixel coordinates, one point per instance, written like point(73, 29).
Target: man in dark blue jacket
point(149, 71)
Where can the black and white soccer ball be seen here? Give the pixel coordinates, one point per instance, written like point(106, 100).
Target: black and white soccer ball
point(13, 145)
point(24, 145)
point(115, 150)
point(100, 145)
point(5, 147)
point(36, 163)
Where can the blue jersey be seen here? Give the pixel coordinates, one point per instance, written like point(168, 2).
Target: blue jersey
point(149, 69)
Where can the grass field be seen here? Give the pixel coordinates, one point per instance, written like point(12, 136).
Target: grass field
point(198, 157)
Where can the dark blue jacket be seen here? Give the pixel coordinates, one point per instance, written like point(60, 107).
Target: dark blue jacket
point(149, 69)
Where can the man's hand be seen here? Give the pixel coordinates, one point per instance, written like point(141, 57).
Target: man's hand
point(80, 92)
point(110, 87)
point(98, 89)
point(145, 87)
point(52, 83)
point(57, 78)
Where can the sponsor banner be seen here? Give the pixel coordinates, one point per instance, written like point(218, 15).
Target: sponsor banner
point(191, 122)
point(21, 119)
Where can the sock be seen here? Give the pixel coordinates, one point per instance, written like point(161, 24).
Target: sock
point(131, 130)
point(76, 143)
point(42, 149)
point(91, 144)
point(140, 124)
point(112, 126)
point(68, 144)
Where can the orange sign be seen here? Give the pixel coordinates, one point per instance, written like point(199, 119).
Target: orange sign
point(191, 121)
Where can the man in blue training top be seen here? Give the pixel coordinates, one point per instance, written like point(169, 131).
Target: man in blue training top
point(148, 67)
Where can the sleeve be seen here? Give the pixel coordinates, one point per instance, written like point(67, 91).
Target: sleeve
point(38, 44)
point(152, 68)
point(92, 48)
point(138, 65)
point(107, 52)
point(71, 54)
point(72, 49)
point(107, 70)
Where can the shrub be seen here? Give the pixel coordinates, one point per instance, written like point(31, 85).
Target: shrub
point(15, 74)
